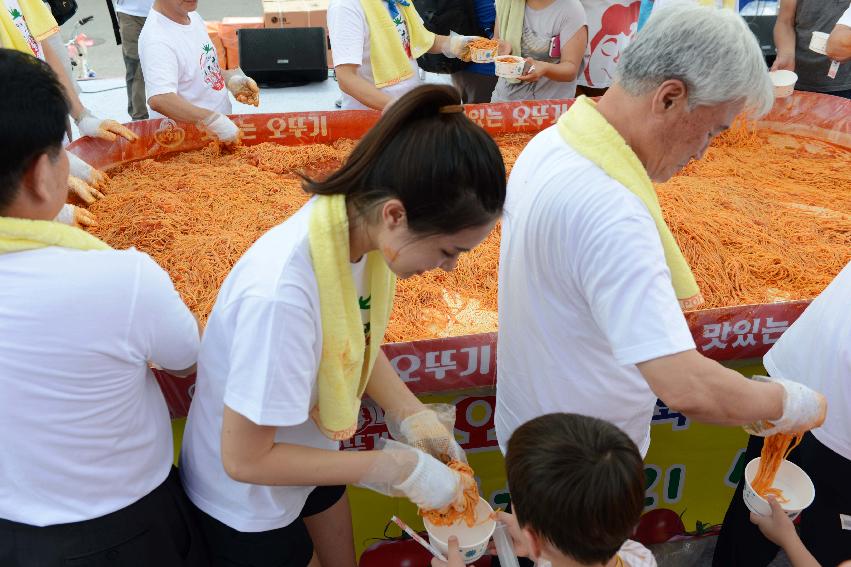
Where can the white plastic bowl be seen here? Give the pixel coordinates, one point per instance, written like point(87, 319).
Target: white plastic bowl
point(818, 42)
point(509, 66)
point(478, 55)
point(784, 82)
point(791, 479)
point(473, 542)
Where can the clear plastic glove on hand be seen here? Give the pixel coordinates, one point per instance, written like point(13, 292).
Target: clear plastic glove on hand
point(83, 190)
point(803, 409)
point(106, 129)
point(86, 172)
point(221, 127)
point(457, 46)
point(430, 430)
point(401, 470)
point(76, 216)
point(244, 89)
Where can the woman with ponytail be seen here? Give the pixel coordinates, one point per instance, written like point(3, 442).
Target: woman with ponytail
point(293, 343)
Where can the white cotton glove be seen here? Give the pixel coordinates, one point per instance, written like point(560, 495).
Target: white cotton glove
point(75, 216)
point(401, 470)
point(457, 46)
point(803, 409)
point(221, 127)
point(106, 129)
point(244, 89)
point(86, 172)
point(430, 430)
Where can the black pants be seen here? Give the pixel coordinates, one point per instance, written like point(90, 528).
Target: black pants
point(741, 543)
point(289, 546)
point(158, 530)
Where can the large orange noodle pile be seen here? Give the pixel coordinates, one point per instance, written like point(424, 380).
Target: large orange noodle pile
point(775, 449)
point(763, 217)
point(449, 515)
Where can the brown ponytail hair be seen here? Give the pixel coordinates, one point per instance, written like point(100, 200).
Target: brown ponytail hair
point(446, 170)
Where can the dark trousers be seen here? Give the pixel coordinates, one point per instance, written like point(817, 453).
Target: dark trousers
point(289, 546)
point(159, 530)
point(741, 544)
point(474, 87)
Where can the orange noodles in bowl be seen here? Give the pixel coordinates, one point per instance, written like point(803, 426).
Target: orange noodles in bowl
point(774, 451)
point(484, 43)
point(450, 515)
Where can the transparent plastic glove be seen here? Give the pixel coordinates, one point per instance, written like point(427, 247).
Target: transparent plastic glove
point(221, 127)
point(430, 430)
point(106, 129)
point(244, 89)
point(803, 409)
point(83, 190)
point(457, 46)
point(401, 470)
point(76, 216)
point(86, 172)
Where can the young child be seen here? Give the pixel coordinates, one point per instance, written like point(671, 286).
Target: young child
point(577, 489)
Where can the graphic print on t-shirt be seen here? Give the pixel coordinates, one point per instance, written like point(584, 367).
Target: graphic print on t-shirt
point(210, 66)
point(363, 303)
point(401, 26)
point(21, 24)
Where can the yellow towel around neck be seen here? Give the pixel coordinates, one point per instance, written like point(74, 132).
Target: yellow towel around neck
point(18, 235)
point(588, 132)
point(38, 19)
point(347, 360)
point(510, 15)
point(390, 63)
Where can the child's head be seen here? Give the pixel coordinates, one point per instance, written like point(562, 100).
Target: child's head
point(577, 484)
point(428, 181)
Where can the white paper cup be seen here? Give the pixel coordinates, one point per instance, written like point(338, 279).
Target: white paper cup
point(479, 55)
point(791, 479)
point(472, 541)
point(784, 82)
point(509, 66)
point(818, 42)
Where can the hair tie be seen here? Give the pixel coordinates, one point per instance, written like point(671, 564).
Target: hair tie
point(451, 109)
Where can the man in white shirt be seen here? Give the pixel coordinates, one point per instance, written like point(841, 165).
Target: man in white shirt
point(131, 17)
point(839, 42)
point(183, 79)
point(350, 36)
point(816, 350)
point(86, 472)
point(589, 321)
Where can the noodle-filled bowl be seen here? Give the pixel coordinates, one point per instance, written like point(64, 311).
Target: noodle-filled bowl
point(791, 480)
point(472, 540)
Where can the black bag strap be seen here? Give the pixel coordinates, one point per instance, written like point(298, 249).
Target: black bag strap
point(114, 17)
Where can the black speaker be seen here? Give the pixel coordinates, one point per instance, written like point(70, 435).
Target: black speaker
point(283, 56)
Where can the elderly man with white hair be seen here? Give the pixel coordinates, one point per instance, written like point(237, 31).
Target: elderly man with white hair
point(591, 281)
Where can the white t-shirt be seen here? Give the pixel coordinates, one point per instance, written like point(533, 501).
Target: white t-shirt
point(260, 356)
point(845, 20)
point(816, 351)
point(84, 428)
point(182, 59)
point(133, 7)
point(349, 35)
point(584, 295)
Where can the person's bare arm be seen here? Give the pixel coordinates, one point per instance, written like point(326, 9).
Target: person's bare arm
point(784, 36)
point(251, 455)
point(359, 88)
point(53, 59)
point(839, 44)
point(705, 391)
point(178, 108)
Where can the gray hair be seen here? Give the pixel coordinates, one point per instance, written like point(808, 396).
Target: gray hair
point(711, 50)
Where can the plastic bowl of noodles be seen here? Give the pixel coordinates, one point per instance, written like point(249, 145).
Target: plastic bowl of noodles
point(473, 540)
point(795, 484)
